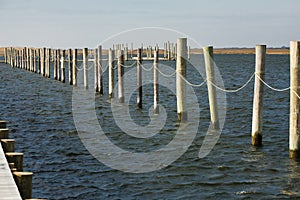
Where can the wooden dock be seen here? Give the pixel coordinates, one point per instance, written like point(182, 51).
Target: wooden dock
point(8, 187)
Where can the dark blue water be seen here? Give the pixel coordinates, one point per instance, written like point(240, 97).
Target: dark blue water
point(39, 112)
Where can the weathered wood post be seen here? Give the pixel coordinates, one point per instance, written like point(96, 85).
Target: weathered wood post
point(258, 95)
point(2, 124)
point(3, 133)
point(111, 73)
point(120, 76)
point(27, 60)
point(70, 68)
point(212, 95)
point(39, 61)
point(34, 61)
point(96, 68)
point(100, 73)
point(54, 64)
point(43, 50)
point(8, 145)
point(17, 158)
point(294, 100)
point(5, 55)
point(48, 62)
point(180, 76)
point(58, 74)
point(85, 67)
point(74, 66)
point(24, 183)
point(155, 84)
point(62, 64)
point(30, 60)
point(139, 99)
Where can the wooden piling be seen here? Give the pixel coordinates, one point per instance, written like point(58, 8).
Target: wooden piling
point(54, 65)
point(62, 66)
point(120, 76)
point(180, 76)
point(43, 51)
point(294, 100)
point(111, 73)
point(34, 60)
point(100, 73)
point(74, 66)
point(48, 62)
point(24, 183)
point(5, 55)
point(17, 158)
point(58, 73)
point(139, 99)
point(3, 133)
point(96, 73)
point(85, 67)
point(155, 82)
point(212, 95)
point(27, 59)
point(2, 124)
point(258, 95)
point(70, 68)
point(8, 145)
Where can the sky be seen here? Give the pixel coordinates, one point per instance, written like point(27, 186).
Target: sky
point(88, 23)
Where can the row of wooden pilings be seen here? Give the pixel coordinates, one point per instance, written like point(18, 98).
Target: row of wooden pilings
point(15, 160)
point(11, 57)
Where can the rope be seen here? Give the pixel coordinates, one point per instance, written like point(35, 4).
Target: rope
point(166, 75)
point(296, 94)
point(233, 90)
point(129, 66)
point(272, 88)
point(144, 68)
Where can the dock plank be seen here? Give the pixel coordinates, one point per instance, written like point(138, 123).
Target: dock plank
point(8, 187)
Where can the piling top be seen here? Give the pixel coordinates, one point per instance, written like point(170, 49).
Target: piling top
point(23, 173)
point(13, 154)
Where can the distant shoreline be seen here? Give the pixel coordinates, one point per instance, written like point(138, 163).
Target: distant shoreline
point(272, 51)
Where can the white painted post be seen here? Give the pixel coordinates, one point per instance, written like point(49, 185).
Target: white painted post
point(294, 100)
point(210, 77)
point(111, 73)
point(85, 67)
point(96, 73)
point(120, 76)
point(58, 65)
point(180, 76)
point(258, 96)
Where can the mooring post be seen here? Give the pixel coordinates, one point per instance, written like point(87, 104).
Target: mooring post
point(58, 73)
point(111, 73)
point(34, 60)
point(139, 99)
point(96, 74)
point(74, 66)
point(8, 145)
point(258, 95)
point(48, 62)
point(24, 183)
point(27, 59)
point(210, 77)
point(294, 100)
point(85, 67)
point(63, 71)
point(120, 76)
point(155, 82)
point(17, 158)
point(43, 61)
point(5, 55)
point(4, 133)
point(100, 73)
point(70, 66)
point(180, 76)
point(54, 65)
point(30, 60)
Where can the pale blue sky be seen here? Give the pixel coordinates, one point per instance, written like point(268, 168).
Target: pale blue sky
point(78, 23)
